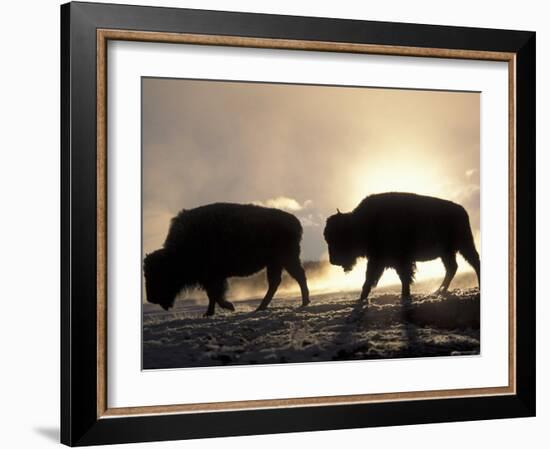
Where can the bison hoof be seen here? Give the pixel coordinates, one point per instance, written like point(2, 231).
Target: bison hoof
point(305, 304)
point(261, 309)
point(208, 314)
point(228, 305)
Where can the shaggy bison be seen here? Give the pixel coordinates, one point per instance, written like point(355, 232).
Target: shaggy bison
point(395, 230)
point(208, 244)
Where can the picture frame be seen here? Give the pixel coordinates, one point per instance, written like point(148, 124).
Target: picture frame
point(86, 28)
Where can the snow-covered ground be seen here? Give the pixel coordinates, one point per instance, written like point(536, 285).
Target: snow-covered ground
point(335, 326)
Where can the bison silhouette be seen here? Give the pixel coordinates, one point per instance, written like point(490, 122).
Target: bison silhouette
point(395, 230)
point(211, 243)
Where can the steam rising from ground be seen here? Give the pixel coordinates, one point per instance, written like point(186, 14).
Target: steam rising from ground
point(322, 277)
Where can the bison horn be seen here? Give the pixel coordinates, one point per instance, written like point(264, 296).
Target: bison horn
point(338, 210)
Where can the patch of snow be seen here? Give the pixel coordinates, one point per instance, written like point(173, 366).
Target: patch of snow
point(335, 326)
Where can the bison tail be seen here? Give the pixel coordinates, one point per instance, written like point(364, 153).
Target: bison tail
point(468, 249)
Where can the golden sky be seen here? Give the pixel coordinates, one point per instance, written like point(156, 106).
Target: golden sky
point(306, 149)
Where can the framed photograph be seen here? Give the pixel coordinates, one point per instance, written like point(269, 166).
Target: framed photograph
point(282, 224)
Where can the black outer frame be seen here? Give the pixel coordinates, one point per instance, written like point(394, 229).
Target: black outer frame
point(79, 422)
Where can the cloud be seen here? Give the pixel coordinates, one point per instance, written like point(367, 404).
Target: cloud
point(284, 203)
point(310, 220)
point(468, 196)
point(471, 172)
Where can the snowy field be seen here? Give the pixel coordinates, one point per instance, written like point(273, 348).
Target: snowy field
point(335, 326)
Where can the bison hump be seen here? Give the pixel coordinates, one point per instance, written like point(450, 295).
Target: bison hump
point(228, 221)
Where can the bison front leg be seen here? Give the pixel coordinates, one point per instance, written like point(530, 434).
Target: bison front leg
point(225, 304)
point(220, 299)
point(373, 275)
point(211, 307)
point(406, 275)
point(216, 294)
point(273, 280)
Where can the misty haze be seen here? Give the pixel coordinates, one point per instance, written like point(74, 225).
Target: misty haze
point(307, 151)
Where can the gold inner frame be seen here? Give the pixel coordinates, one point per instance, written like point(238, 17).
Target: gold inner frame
point(104, 35)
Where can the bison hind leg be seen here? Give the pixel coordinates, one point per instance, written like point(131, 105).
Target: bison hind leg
point(471, 255)
point(296, 270)
point(273, 280)
point(449, 261)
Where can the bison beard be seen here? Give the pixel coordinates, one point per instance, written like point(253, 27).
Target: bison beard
point(395, 230)
point(209, 244)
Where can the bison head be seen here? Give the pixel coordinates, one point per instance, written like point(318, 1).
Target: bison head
point(339, 236)
point(161, 283)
